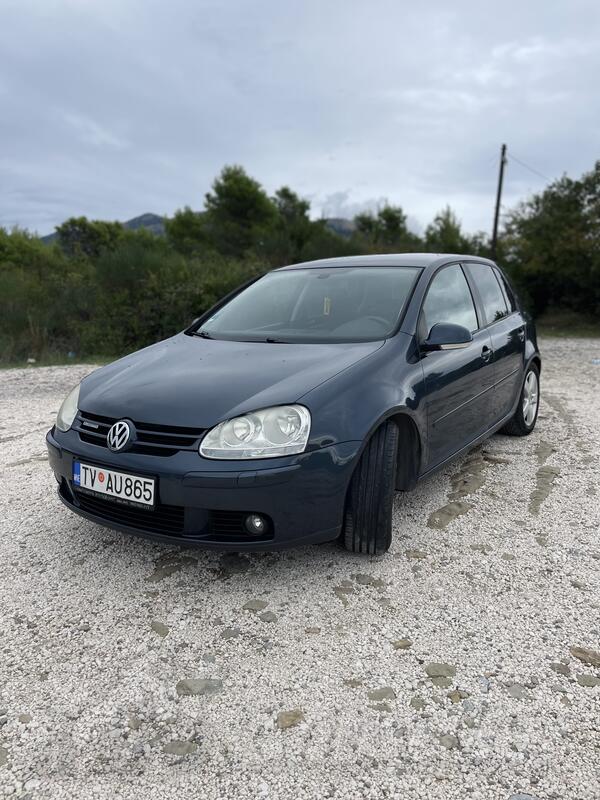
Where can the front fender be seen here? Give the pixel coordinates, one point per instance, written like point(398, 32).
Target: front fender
point(351, 406)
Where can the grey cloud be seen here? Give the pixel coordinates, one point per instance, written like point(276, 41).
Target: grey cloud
point(115, 107)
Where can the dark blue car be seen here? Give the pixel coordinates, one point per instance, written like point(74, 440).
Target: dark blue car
point(293, 410)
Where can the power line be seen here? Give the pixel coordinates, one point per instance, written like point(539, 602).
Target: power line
point(499, 210)
point(531, 169)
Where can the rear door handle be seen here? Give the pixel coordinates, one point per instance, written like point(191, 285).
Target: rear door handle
point(521, 334)
point(486, 354)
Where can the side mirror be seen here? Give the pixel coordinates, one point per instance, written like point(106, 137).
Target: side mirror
point(447, 336)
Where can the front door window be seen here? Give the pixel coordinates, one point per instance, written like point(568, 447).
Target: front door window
point(449, 300)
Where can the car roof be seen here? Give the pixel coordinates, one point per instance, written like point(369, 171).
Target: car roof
point(388, 260)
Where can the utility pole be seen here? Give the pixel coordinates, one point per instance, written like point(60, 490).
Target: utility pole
point(498, 198)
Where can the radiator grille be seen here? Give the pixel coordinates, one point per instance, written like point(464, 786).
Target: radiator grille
point(155, 440)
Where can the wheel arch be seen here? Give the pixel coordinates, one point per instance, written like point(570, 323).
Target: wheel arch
point(410, 447)
point(535, 359)
point(410, 451)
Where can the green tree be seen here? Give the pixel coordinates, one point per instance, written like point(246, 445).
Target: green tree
point(239, 213)
point(393, 225)
point(79, 236)
point(444, 234)
point(386, 231)
point(101, 289)
point(551, 245)
point(290, 207)
point(43, 297)
point(291, 230)
point(366, 226)
point(186, 231)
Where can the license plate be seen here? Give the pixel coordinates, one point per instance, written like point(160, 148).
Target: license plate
point(121, 486)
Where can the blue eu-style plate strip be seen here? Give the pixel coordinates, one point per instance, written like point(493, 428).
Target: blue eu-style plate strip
point(76, 473)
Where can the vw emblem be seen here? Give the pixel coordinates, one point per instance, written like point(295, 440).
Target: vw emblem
point(118, 435)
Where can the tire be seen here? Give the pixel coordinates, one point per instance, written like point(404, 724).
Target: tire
point(368, 516)
point(525, 417)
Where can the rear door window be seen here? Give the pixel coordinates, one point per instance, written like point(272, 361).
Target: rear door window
point(508, 292)
point(492, 297)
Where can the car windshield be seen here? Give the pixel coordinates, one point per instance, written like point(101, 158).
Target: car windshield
point(338, 304)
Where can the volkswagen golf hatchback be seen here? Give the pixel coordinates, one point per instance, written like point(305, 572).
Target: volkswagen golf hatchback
point(293, 410)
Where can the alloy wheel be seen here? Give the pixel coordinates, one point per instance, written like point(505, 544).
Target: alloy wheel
point(530, 398)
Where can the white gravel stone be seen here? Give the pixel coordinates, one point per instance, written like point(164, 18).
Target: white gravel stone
point(501, 594)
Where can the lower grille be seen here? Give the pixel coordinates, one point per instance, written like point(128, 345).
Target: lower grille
point(229, 526)
point(223, 526)
point(225, 522)
point(166, 520)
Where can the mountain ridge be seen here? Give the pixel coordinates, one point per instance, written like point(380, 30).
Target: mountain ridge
point(156, 225)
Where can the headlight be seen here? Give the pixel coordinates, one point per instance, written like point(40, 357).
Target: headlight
point(66, 413)
point(271, 432)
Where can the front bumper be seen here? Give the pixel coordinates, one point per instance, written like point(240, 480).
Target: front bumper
point(202, 502)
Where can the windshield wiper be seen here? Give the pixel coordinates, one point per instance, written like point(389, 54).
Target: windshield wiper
point(269, 340)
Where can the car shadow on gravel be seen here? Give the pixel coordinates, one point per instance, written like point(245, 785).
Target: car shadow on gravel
point(419, 519)
point(156, 563)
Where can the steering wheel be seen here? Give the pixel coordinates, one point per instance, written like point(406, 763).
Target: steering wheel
point(312, 322)
point(385, 323)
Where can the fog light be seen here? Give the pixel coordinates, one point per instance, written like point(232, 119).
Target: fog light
point(255, 524)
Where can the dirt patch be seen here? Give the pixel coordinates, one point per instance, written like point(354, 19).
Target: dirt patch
point(443, 516)
point(168, 565)
point(545, 477)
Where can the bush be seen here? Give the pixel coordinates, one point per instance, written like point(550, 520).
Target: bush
point(103, 290)
point(44, 297)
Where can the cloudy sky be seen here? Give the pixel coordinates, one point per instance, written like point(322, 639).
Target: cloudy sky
point(111, 108)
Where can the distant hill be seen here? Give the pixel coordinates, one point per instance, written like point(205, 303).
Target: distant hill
point(156, 224)
point(151, 222)
point(343, 227)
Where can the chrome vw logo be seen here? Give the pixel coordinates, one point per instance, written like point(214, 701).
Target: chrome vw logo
point(118, 435)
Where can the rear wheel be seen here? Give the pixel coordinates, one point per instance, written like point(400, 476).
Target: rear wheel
point(525, 417)
point(368, 519)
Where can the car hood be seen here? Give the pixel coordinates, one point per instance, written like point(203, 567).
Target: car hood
point(193, 382)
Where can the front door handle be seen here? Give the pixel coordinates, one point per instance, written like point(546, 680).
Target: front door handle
point(486, 354)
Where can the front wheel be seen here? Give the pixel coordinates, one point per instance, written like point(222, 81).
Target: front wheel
point(368, 519)
point(525, 417)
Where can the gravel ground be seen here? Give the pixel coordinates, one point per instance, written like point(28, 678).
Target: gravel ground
point(446, 669)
